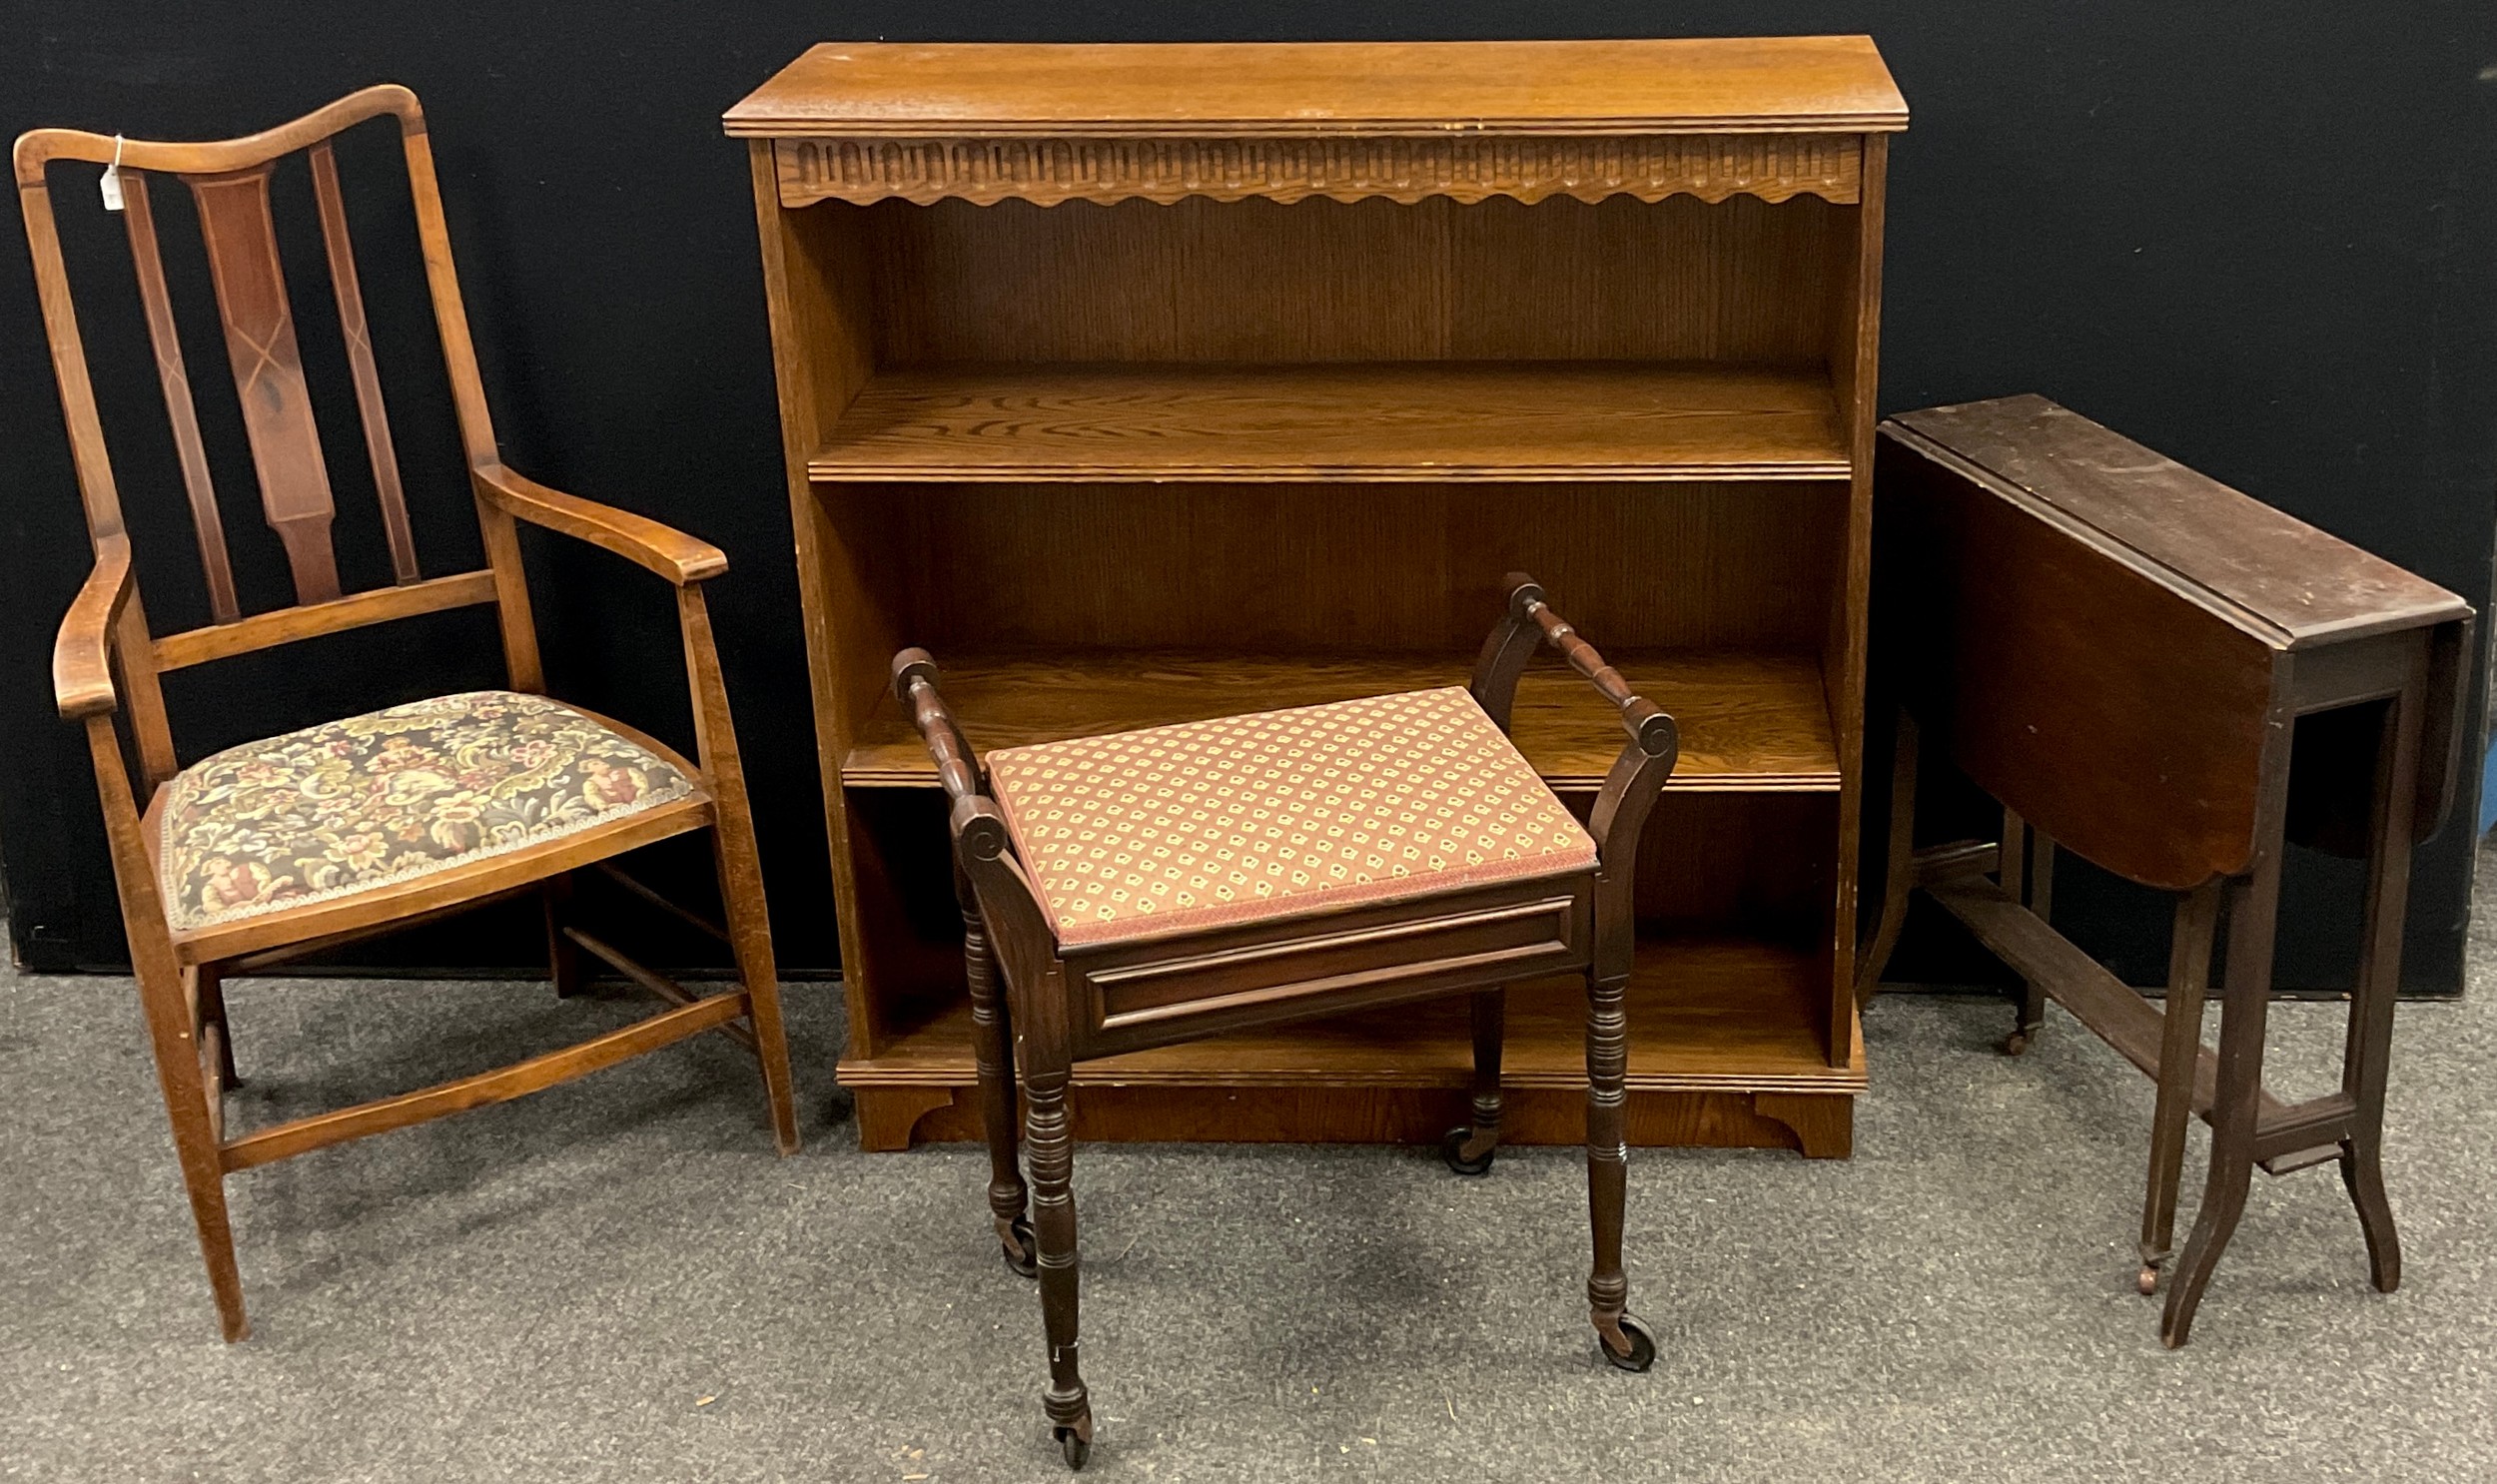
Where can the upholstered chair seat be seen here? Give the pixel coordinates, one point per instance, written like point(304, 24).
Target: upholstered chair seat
point(377, 800)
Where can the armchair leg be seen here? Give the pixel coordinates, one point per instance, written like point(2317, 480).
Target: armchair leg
point(750, 936)
point(195, 1137)
point(212, 1013)
point(562, 954)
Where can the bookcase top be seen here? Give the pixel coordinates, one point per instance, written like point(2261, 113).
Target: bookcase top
point(1782, 84)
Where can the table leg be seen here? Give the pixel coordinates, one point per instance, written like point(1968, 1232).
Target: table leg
point(2012, 863)
point(2042, 874)
point(2181, 1050)
point(2253, 911)
point(2368, 1050)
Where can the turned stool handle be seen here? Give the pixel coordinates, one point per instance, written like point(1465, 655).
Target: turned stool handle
point(1532, 621)
point(915, 686)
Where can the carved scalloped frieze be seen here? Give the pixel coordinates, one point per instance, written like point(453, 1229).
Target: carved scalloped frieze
point(1465, 168)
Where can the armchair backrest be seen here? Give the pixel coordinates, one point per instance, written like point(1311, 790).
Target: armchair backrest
point(228, 182)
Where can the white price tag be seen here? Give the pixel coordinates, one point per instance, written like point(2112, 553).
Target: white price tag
point(111, 184)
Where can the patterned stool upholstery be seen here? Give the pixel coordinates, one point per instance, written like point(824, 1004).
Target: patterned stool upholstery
point(1278, 813)
point(378, 799)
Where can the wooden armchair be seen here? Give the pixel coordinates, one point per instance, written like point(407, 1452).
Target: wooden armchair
point(275, 849)
point(1160, 885)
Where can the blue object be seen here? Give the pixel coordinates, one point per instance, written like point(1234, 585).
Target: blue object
point(2488, 791)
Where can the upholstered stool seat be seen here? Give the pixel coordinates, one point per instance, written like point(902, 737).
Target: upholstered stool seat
point(1278, 813)
point(377, 800)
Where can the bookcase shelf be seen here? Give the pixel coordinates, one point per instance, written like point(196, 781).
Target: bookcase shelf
point(1508, 420)
point(1146, 384)
point(1706, 1014)
point(1748, 721)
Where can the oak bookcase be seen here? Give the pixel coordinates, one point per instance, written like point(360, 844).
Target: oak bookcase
point(1144, 384)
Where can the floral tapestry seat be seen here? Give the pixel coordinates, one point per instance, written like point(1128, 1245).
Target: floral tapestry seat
point(377, 800)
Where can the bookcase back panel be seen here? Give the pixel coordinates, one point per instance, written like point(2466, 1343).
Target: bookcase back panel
point(1320, 568)
point(1756, 864)
point(1678, 280)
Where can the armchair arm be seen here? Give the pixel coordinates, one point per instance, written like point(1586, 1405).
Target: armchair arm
point(664, 550)
point(82, 655)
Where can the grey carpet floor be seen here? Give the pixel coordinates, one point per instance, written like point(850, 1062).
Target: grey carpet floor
point(618, 1280)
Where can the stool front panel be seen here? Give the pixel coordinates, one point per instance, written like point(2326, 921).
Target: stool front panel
point(1181, 987)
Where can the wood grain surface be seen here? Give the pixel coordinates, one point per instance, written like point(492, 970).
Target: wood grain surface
point(1283, 568)
point(1696, 85)
point(1434, 420)
point(1740, 282)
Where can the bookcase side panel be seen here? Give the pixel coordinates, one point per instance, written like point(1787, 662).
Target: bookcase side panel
point(1854, 356)
point(819, 361)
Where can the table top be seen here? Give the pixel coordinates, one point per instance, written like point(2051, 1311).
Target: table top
point(2306, 585)
point(1787, 84)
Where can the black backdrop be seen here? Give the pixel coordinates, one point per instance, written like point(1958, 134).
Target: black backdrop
point(2259, 241)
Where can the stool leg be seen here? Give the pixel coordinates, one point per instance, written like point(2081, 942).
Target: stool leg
point(1468, 1146)
point(992, 1051)
point(2254, 908)
point(1625, 1341)
point(2369, 1048)
point(2181, 1053)
point(1070, 1408)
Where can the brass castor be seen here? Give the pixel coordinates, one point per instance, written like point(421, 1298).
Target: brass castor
point(1642, 1347)
point(1452, 1149)
point(1022, 1253)
point(2015, 1044)
point(1076, 1443)
point(2147, 1281)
